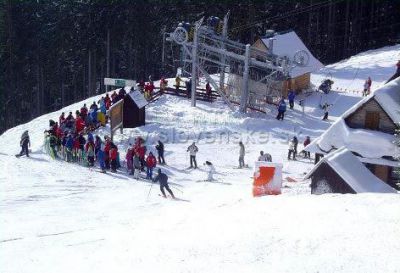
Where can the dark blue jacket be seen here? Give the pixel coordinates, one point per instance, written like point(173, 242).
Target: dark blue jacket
point(70, 143)
point(100, 155)
point(162, 178)
point(93, 115)
point(282, 106)
point(291, 96)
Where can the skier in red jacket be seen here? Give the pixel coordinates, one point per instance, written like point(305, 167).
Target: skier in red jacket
point(107, 101)
point(113, 157)
point(140, 150)
point(151, 163)
point(61, 119)
point(79, 125)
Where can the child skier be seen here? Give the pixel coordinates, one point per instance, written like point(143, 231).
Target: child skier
point(211, 171)
point(113, 157)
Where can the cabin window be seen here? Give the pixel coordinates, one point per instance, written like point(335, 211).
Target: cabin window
point(372, 120)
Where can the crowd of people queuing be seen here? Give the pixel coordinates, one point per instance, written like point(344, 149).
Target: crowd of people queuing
point(72, 139)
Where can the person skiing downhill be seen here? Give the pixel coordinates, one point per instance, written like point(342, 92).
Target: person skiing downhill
point(162, 178)
point(192, 149)
point(24, 143)
point(241, 154)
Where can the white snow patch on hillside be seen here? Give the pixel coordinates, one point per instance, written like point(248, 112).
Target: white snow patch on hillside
point(350, 74)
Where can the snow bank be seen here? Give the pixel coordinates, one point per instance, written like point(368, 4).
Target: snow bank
point(350, 74)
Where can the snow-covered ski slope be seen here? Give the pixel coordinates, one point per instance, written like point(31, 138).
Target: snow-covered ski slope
point(350, 74)
point(59, 217)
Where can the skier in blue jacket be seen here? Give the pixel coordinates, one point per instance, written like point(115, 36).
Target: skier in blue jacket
point(281, 109)
point(291, 97)
point(100, 156)
point(162, 178)
point(69, 145)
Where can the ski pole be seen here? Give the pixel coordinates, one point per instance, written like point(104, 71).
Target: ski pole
point(177, 189)
point(149, 191)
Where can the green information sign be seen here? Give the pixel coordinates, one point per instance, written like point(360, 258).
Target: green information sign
point(119, 82)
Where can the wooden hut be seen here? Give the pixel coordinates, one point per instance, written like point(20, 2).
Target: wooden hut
point(134, 110)
point(342, 172)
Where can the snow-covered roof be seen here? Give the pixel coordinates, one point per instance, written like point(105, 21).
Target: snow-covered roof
point(357, 140)
point(367, 143)
point(353, 172)
point(288, 44)
point(388, 97)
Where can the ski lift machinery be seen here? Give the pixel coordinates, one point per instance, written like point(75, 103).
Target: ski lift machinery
point(253, 75)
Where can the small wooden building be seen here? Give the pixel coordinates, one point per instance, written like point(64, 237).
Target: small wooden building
point(286, 45)
point(134, 110)
point(371, 116)
point(342, 172)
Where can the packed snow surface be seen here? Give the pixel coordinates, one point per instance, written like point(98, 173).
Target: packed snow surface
point(60, 217)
